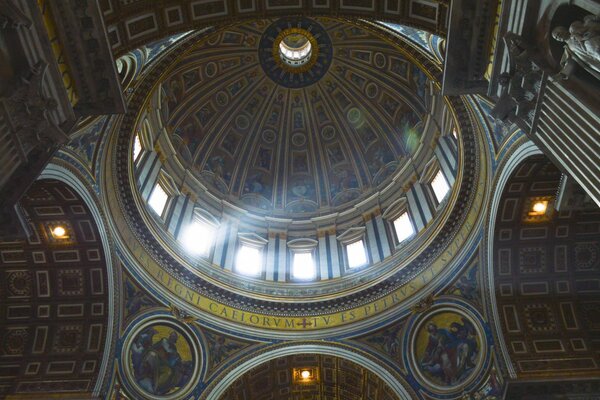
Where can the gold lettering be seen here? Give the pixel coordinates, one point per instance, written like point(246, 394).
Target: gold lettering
point(178, 289)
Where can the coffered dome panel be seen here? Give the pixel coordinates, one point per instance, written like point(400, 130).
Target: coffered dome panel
point(294, 143)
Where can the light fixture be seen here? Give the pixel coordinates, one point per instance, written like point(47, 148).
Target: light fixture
point(305, 375)
point(197, 238)
point(59, 232)
point(539, 207)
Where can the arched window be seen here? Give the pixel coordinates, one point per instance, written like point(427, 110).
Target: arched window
point(158, 199)
point(355, 251)
point(357, 254)
point(440, 186)
point(197, 237)
point(303, 252)
point(403, 227)
point(250, 260)
point(304, 266)
point(400, 222)
point(137, 148)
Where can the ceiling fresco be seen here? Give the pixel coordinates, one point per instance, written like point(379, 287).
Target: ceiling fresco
point(270, 146)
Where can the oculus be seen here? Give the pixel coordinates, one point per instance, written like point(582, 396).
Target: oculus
point(295, 52)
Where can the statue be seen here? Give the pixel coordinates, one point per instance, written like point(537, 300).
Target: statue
point(582, 46)
point(28, 110)
point(520, 85)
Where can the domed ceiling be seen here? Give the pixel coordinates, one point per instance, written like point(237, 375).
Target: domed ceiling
point(294, 142)
point(236, 137)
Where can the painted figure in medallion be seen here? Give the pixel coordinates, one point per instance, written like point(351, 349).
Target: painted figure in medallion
point(451, 350)
point(161, 360)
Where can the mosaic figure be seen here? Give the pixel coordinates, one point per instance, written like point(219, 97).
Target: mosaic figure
point(161, 360)
point(447, 349)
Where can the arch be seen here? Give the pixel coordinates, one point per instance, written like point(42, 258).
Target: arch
point(70, 178)
point(127, 68)
point(545, 257)
point(223, 381)
point(521, 152)
point(59, 301)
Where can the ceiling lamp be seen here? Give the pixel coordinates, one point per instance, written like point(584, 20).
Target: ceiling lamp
point(59, 232)
point(305, 375)
point(539, 207)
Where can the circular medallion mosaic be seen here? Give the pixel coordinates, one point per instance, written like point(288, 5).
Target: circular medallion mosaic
point(448, 349)
point(295, 52)
point(161, 359)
